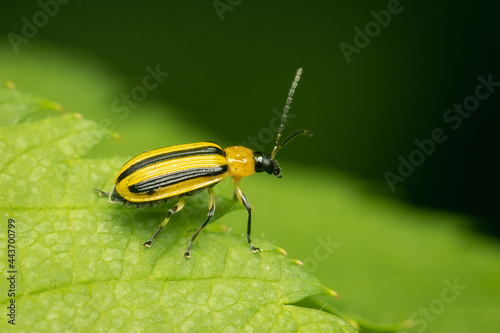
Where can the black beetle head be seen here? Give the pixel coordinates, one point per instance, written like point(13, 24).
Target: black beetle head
point(264, 162)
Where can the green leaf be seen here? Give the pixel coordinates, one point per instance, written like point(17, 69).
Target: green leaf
point(79, 264)
point(18, 107)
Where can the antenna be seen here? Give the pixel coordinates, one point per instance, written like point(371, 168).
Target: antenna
point(306, 132)
point(277, 147)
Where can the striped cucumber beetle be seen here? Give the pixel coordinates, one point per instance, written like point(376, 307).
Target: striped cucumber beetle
point(170, 173)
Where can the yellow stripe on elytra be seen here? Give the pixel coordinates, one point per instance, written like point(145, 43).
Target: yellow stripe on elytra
point(166, 167)
point(166, 150)
point(169, 166)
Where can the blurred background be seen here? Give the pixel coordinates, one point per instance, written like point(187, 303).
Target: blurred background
point(377, 76)
point(231, 64)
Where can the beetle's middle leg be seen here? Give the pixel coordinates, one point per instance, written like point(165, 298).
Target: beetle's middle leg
point(171, 211)
point(211, 211)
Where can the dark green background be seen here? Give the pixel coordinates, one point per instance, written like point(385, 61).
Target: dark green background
point(228, 75)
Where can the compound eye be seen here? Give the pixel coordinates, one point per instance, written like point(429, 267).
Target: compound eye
point(268, 165)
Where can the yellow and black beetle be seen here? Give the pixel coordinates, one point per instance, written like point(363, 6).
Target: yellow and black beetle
point(165, 174)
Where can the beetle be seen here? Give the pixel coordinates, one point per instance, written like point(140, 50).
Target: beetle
point(170, 173)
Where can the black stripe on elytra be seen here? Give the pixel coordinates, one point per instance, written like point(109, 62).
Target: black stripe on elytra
point(206, 150)
point(149, 186)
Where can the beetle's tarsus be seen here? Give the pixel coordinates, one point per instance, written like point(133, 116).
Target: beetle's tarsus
point(256, 249)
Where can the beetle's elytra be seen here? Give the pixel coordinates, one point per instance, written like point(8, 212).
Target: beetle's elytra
point(170, 173)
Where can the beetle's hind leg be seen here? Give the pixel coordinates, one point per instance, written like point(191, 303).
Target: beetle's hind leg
point(211, 211)
point(101, 192)
point(171, 211)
